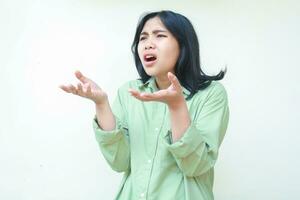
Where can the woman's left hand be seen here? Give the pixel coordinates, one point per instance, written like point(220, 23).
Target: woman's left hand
point(172, 95)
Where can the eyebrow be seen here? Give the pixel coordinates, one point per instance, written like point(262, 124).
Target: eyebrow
point(154, 32)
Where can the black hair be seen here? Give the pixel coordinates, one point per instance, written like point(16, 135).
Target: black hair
point(187, 68)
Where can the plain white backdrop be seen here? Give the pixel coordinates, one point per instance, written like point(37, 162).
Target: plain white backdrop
point(47, 145)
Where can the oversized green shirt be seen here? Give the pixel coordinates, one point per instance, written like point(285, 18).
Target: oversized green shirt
point(141, 144)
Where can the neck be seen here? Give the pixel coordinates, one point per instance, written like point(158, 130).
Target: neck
point(162, 82)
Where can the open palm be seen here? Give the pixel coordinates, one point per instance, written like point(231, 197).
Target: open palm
point(86, 88)
point(170, 95)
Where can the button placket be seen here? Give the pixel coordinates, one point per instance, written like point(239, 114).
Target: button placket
point(157, 127)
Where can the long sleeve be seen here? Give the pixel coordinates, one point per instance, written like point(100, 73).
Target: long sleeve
point(114, 144)
point(197, 150)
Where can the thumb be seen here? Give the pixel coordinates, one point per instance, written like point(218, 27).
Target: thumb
point(173, 79)
point(80, 76)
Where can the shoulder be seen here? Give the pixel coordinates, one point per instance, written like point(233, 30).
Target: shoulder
point(215, 90)
point(216, 87)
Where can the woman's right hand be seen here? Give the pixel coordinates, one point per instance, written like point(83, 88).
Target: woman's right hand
point(86, 88)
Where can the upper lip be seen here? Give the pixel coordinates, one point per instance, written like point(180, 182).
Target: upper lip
point(149, 54)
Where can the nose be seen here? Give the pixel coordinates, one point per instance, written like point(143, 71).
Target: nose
point(149, 45)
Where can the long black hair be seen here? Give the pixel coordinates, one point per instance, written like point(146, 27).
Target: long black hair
point(187, 68)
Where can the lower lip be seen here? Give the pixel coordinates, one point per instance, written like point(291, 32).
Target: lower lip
point(150, 63)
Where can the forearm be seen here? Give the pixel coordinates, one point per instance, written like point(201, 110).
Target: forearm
point(180, 119)
point(105, 116)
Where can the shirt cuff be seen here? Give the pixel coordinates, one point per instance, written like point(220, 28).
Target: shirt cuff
point(187, 144)
point(107, 137)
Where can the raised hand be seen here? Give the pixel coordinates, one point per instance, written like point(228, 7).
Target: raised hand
point(86, 88)
point(171, 95)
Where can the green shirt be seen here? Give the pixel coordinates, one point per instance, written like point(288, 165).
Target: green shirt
point(141, 144)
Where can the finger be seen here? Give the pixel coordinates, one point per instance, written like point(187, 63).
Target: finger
point(174, 80)
point(141, 96)
point(159, 94)
point(152, 96)
point(65, 88)
point(73, 89)
point(156, 96)
point(80, 76)
point(88, 89)
point(136, 93)
point(79, 88)
point(133, 92)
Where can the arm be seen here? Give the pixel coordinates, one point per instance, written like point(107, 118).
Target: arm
point(196, 141)
point(197, 150)
point(112, 134)
point(110, 129)
point(180, 119)
point(105, 117)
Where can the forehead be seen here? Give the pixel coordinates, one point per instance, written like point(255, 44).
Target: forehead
point(153, 23)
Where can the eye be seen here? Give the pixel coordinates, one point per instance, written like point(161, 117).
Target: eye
point(161, 35)
point(142, 38)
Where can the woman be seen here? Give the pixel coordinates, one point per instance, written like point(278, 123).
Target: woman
point(164, 130)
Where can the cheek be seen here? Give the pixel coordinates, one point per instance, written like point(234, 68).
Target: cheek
point(139, 49)
point(175, 52)
point(172, 53)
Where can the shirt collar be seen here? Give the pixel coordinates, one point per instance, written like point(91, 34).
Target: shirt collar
point(150, 83)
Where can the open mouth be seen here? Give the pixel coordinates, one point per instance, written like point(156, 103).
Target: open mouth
point(150, 58)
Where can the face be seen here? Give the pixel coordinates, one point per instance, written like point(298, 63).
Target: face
point(158, 49)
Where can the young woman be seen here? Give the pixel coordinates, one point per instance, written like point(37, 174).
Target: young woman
point(164, 130)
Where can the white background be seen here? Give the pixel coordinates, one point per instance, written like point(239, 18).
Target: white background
point(47, 145)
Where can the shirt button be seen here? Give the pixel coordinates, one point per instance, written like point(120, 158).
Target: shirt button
point(142, 195)
point(156, 129)
point(149, 161)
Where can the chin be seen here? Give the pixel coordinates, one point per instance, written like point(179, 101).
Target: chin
point(150, 72)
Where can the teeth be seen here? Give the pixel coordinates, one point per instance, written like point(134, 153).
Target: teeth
point(149, 56)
